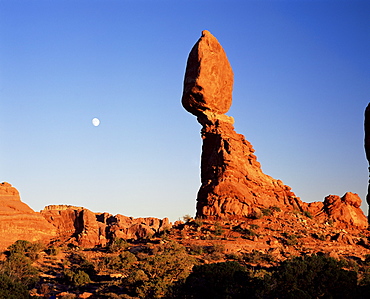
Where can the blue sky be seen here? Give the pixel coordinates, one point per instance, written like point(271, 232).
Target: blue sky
point(301, 70)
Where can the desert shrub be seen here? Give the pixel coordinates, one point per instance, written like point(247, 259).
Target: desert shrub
point(307, 214)
point(118, 245)
point(275, 209)
point(77, 278)
point(87, 267)
point(53, 251)
point(233, 256)
point(254, 226)
point(18, 268)
point(319, 236)
point(215, 252)
point(123, 261)
point(10, 289)
point(219, 248)
point(187, 218)
point(290, 239)
point(156, 273)
point(218, 229)
point(196, 249)
point(216, 281)
point(266, 212)
point(29, 249)
point(256, 256)
point(198, 222)
point(312, 277)
point(256, 214)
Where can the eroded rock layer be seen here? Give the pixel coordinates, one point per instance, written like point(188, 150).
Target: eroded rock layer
point(87, 228)
point(18, 221)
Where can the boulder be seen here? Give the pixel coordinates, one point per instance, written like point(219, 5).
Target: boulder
point(342, 211)
point(208, 79)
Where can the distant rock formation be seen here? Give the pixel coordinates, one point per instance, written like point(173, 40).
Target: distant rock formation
point(342, 211)
point(233, 184)
point(18, 221)
point(367, 150)
point(89, 229)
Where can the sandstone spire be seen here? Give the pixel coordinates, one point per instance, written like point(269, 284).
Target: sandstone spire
point(233, 184)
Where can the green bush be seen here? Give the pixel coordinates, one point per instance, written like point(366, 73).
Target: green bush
point(312, 277)
point(216, 281)
point(19, 269)
point(155, 274)
point(78, 278)
point(218, 229)
point(10, 289)
point(275, 209)
point(290, 239)
point(266, 212)
point(118, 245)
point(26, 248)
point(121, 262)
point(256, 256)
point(307, 214)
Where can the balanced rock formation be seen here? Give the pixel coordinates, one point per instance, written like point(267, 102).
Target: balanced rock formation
point(86, 228)
point(18, 221)
point(233, 184)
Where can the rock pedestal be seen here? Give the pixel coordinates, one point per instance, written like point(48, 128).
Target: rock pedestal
point(233, 184)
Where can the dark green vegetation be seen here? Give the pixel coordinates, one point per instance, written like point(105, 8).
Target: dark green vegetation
point(167, 269)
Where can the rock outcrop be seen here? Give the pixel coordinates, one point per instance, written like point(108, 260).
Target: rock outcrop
point(18, 221)
point(367, 150)
point(89, 229)
point(341, 212)
point(233, 184)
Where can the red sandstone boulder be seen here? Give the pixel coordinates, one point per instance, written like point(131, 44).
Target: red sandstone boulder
point(341, 211)
point(208, 79)
point(18, 221)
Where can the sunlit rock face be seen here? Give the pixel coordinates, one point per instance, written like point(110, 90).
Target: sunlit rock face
point(342, 212)
point(18, 221)
point(86, 228)
point(209, 78)
point(233, 184)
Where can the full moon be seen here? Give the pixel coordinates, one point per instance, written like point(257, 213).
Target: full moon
point(96, 122)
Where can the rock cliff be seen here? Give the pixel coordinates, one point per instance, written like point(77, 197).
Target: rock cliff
point(86, 228)
point(18, 221)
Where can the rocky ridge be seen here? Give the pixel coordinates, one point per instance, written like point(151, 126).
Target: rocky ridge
point(88, 229)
